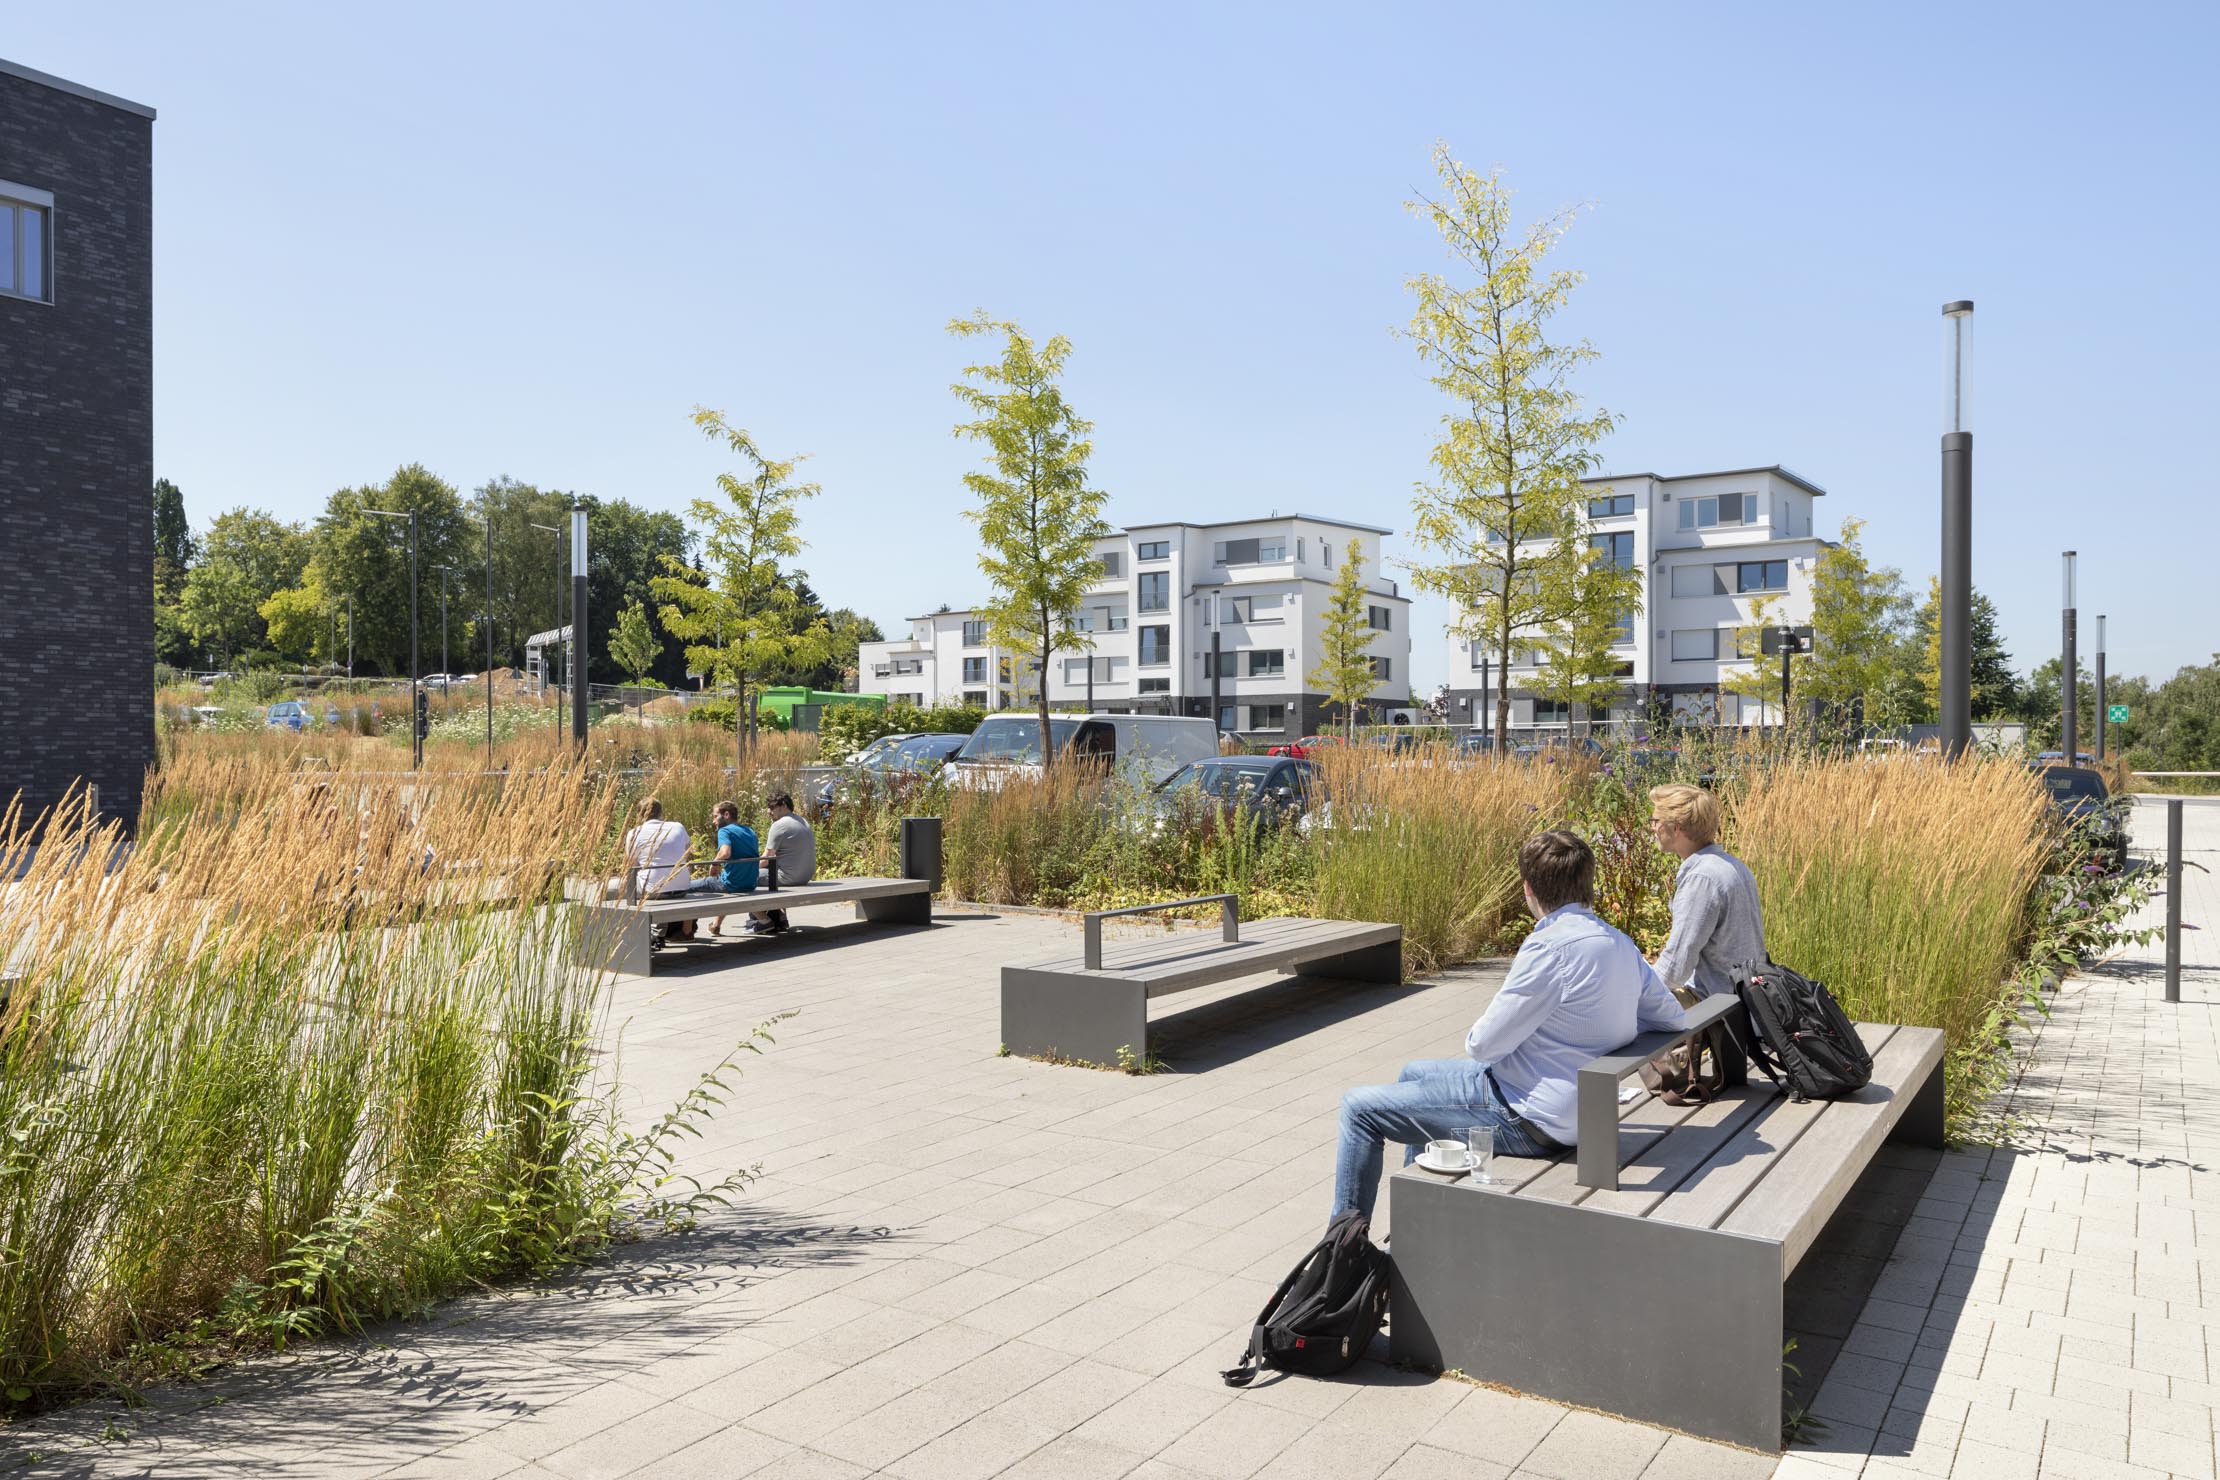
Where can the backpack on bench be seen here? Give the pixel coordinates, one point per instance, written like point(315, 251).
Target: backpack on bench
point(1326, 1312)
point(1799, 1035)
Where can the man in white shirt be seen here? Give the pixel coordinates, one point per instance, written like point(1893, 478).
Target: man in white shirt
point(1577, 989)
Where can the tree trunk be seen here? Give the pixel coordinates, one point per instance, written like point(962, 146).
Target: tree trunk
point(1040, 696)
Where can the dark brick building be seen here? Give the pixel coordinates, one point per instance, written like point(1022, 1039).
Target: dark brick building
point(76, 441)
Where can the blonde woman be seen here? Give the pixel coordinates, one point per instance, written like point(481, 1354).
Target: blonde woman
point(1716, 922)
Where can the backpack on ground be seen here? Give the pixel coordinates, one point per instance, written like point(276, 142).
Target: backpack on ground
point(1798, 1034)
point(1326, 1312)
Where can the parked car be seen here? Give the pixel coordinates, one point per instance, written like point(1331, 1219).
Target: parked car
point(2080, 799)
point(1304, 748)
point(288, 714)
point(887, 762)
point(1273, 787)
point(1145, 747)
point(2059, 756)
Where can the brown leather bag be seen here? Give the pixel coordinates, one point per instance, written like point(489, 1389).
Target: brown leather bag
point(1694, 1073)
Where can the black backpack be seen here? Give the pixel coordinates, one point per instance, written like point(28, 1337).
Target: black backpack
point(1798, 1034)
point(1326, 1312)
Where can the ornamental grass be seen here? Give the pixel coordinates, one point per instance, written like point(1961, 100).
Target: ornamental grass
point(316, 1050)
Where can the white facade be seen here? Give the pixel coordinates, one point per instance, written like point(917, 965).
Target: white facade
point(946, 659)
point(1710, 547)
point(1261, 587)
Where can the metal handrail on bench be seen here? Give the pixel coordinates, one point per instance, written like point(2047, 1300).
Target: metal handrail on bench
point(1596, 1107)
point(1094, 919)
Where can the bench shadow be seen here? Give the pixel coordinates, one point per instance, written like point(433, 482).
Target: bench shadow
point(1212, 1035)
point(703, 956)
point(402, 1390)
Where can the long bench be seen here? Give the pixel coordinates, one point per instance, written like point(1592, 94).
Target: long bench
point(1642, 1274)
point(1092, 1005)
point(621, 933)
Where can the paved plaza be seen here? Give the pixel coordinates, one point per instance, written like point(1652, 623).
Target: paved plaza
point(955, 1264)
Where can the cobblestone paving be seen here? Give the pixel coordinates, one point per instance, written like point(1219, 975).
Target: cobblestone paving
point(960, 1265)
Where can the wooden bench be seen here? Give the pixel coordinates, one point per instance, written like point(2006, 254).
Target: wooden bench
point(1094, 1004)
point(1642, 1274)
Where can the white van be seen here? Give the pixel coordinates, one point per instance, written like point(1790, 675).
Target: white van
point(1145, 747)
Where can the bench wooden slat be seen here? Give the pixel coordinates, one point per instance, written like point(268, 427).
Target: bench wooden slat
point(1663, 1166)
point(1806, 1182)
point(792, 897)
point(1717, 1187)
point(1641, 1126)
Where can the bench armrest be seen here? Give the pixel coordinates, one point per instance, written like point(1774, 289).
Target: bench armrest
point(1596, 1110)
point(1092, 926)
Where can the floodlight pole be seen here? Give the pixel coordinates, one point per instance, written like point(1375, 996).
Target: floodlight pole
point(2068, 666)
point(1956, 689)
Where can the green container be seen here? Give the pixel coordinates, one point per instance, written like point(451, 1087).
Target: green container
point(784, 700)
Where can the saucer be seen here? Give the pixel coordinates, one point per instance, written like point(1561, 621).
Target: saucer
point(1457, 1166)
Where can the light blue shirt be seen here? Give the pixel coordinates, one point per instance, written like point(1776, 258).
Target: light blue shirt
point(1577, 990)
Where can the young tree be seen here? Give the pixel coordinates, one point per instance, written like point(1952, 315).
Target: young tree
point(1995, 688)
point(1344, 672)
point(634, 644)
point(1760, 682)
point(173, 541)
point(1506, 498)
point(1038, 520)
point(1859, 613)
point(738, 613)
point(1597, 597)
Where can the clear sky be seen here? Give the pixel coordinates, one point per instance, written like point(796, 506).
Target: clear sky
point(527, 239)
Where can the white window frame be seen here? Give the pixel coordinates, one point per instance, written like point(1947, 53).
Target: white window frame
point(1710, 635)
point(41, 201)
point(1159, 581)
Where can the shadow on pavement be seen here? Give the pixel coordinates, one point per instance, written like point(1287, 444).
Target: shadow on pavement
point(401, 1390)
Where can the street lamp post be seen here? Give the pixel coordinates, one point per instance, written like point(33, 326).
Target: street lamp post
point(578, 643)
point(2067, 664)
point(1956, 696)
point(2100, 687)
point(350, 644)
point(489, 630)
point(416, 677)
point(444, 666)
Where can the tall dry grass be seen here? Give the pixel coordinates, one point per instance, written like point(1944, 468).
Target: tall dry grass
point(316, 1050)
point(1431, 843)
point(1905, 886)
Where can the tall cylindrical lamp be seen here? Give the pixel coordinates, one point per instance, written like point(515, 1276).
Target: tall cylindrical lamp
point(578, 643)
point(2068, 663)
point(2100, 687)
point(1956, 696)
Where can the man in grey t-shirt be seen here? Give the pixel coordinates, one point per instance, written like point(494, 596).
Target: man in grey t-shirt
point(1716, 922)
point(790, 847)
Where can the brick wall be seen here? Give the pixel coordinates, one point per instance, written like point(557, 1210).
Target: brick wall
point(77, 459)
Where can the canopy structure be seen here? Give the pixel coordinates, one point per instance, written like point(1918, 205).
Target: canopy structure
point(538, 662)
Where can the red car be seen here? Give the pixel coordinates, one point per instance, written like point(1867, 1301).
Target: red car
point(1302, 749)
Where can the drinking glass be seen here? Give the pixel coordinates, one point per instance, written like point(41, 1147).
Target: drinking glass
point(1480, 1151)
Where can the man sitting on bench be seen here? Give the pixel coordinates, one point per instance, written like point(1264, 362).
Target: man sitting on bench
point(1577, 990)
point(791, 849)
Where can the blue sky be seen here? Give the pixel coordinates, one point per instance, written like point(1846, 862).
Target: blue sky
point(527, 239)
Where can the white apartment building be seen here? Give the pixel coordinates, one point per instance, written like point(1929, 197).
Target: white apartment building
point(1252, 591)
point(1709, 545)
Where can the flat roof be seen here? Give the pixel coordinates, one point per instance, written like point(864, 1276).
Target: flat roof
point(75, 89)
point(1774, 468)
point(1257, 519)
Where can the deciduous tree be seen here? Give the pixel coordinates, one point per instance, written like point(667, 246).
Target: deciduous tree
point(1038, 518)
point(1505, 499)
point(737, 612)
point(247, 557)
point(1859, 616)
point(1598, 598)
point(634, 644)
point(1344, 672)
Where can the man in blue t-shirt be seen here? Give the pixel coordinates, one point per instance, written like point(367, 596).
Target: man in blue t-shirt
point(736, 855)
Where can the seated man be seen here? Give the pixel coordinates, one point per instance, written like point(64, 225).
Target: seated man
point(736, 855)
point(791, 851)
point(1577, 990)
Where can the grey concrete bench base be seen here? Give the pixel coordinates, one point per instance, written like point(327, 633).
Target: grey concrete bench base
point(1062, 1008)
point(1660, 1300)
point(623, 935)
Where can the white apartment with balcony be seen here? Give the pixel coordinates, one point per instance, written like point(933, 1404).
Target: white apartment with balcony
point(1710, 546)
point(1252, 591)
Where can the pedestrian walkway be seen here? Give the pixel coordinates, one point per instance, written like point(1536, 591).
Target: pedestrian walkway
point(955, 1264)
point(2045, 1314)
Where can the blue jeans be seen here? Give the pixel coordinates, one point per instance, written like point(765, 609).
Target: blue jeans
point(1435, 1099)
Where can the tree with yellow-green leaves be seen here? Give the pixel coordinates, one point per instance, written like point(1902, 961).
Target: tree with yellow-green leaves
point(1580, 658)
point(1344, 672)
point(1499, 521)
point(738, 612)
point(1760, 682)
point(1859, 614)
point(1038, 518)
